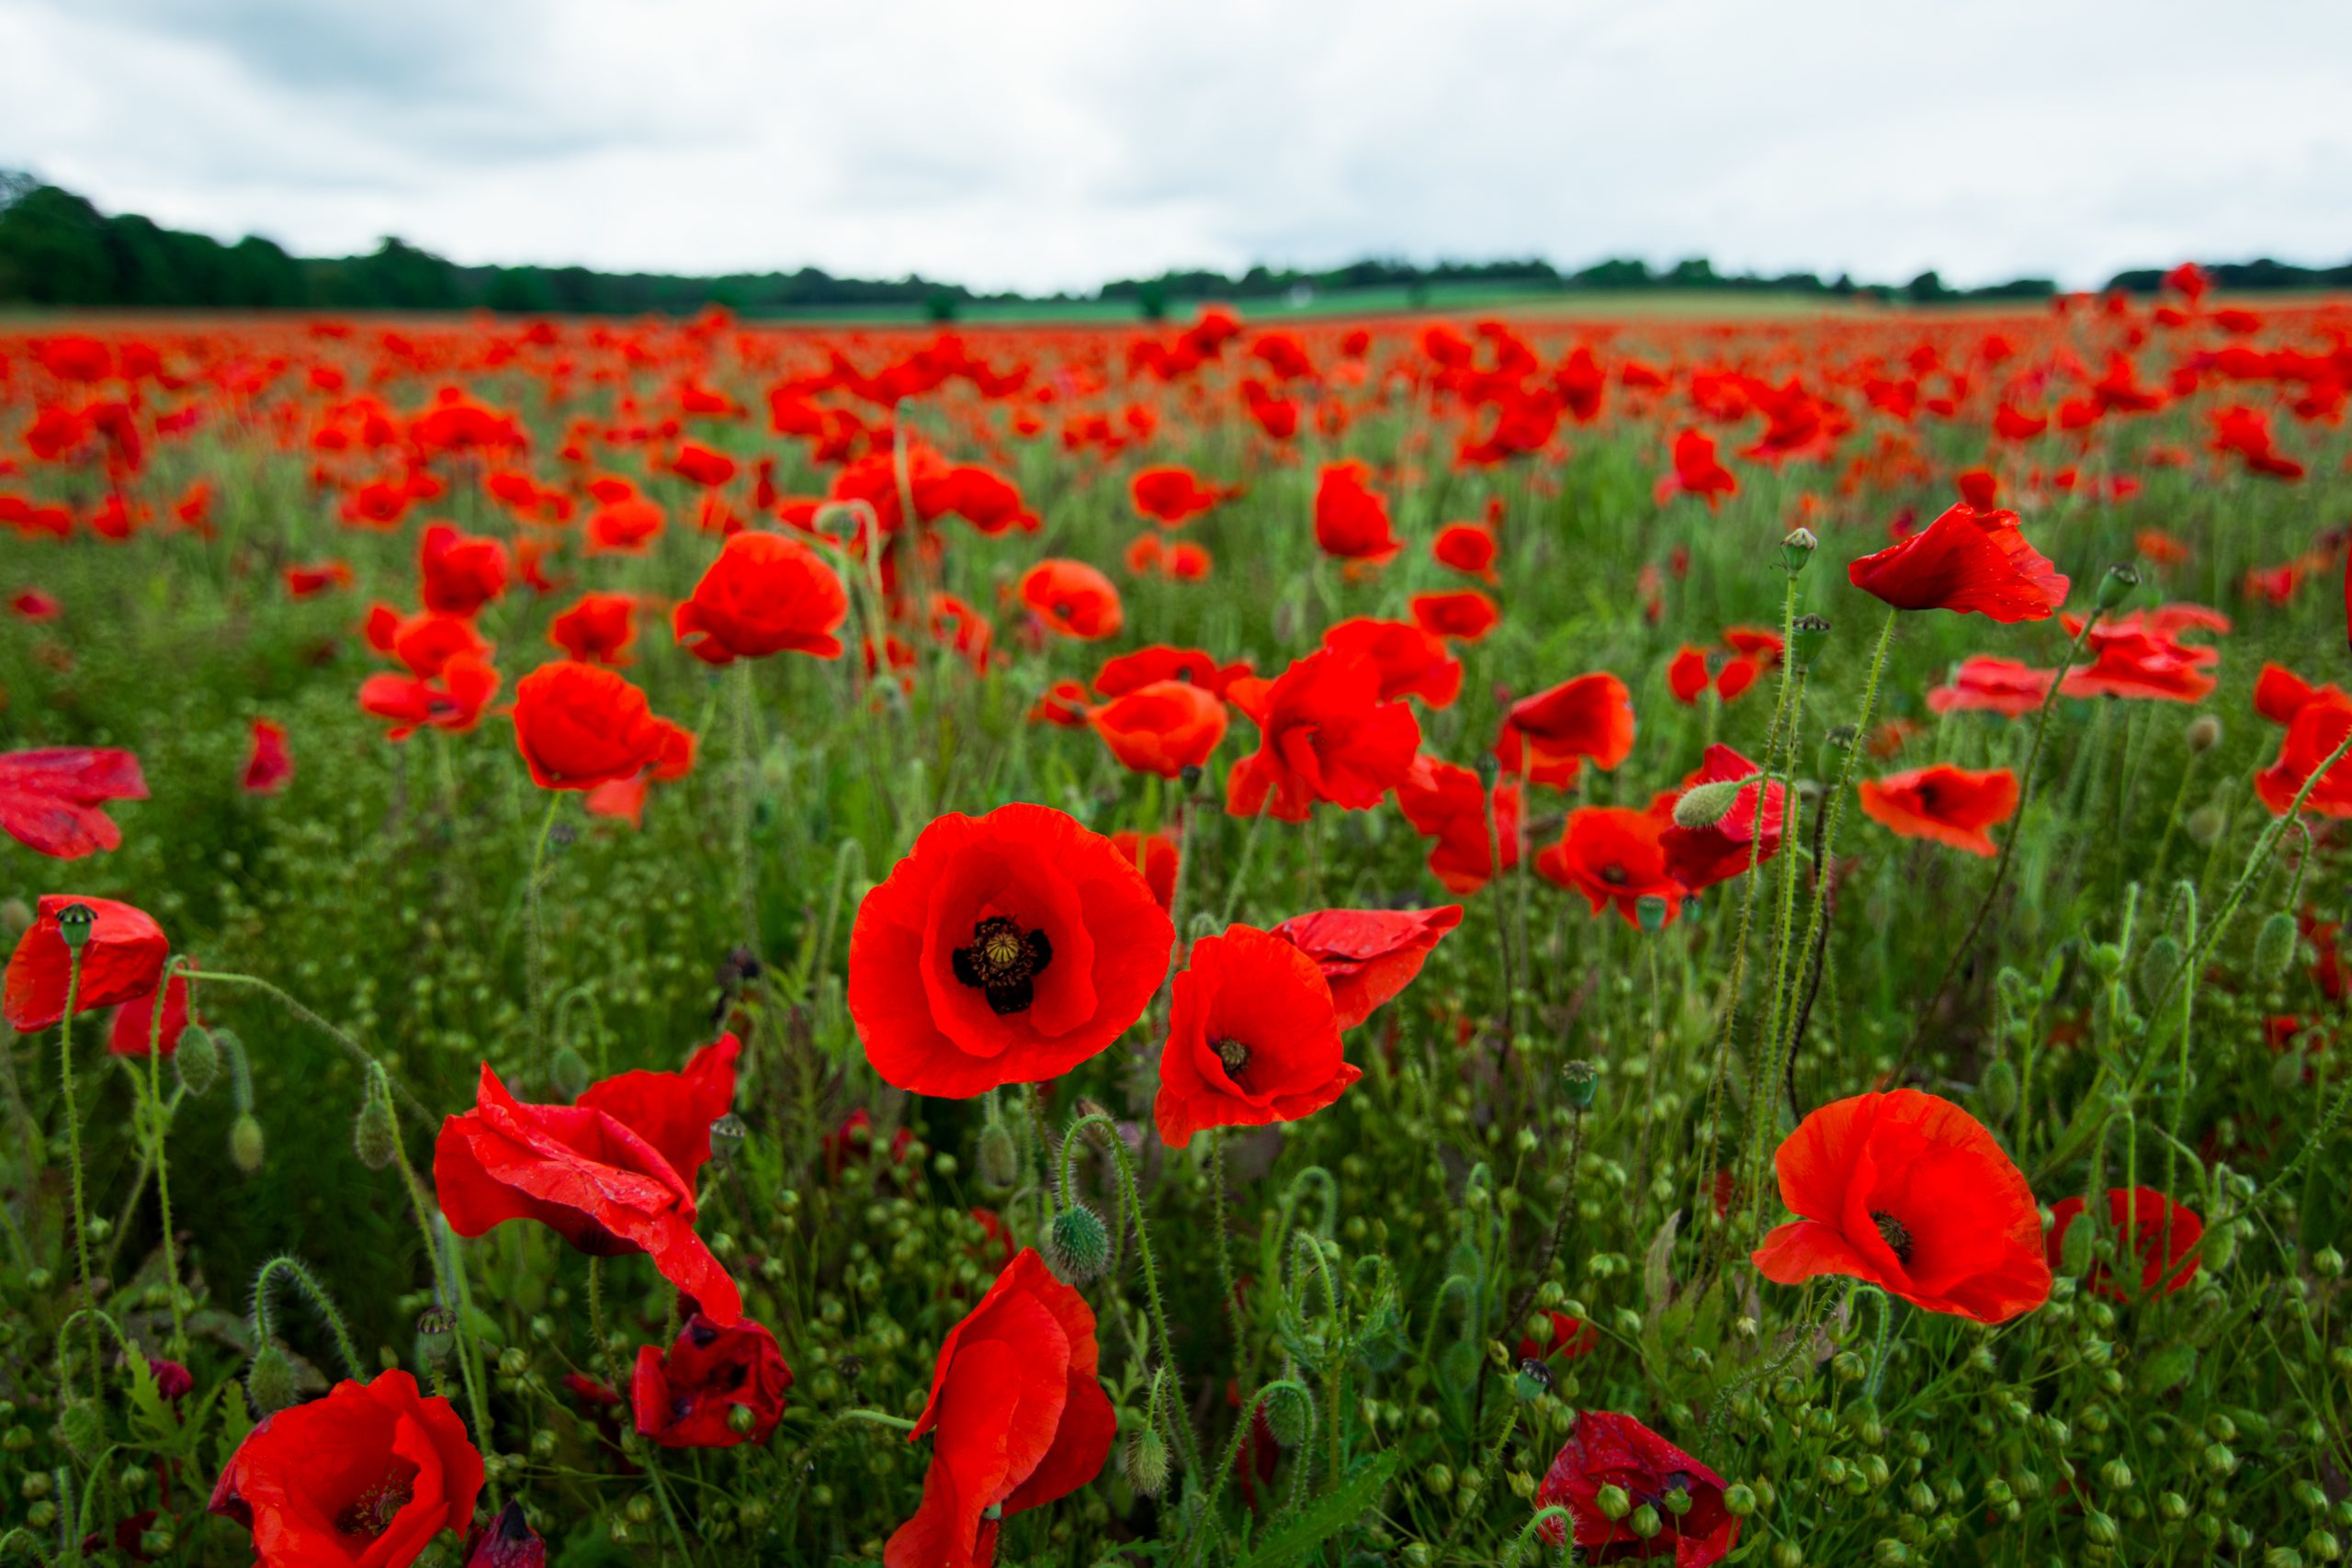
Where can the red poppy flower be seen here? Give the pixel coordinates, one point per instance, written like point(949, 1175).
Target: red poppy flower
point(688, 1397)
point(307, 581)
point(701, 466)
point(1155, 855)
point(1467, 548)
point(50, 798)
point(460, 572)
point(1072, 598)
point(1350, 518)
point(1969, 563)
point(1701, 857)
point(1612, 854)
point(2162, 1232)
point(1172, 496)
point(2317, 720)
point(1982, 683)
point(1465, 615)
point(1697, 473)
point(612, 1174)
point(134, 1027)
point(1943, 803)
point(1571, 1337)
point(33, 604)
point(1161, 729)
point(1064, 704)
point(122, 959)
point(1610, 1450)
point(597, 629)
point(1017, 1416)
point(1910, 1193)
point(579, 726)
point(625, 526)
point(1128, 671)
point(1447, 803)
point(1252, 1038)
point(364, 1478)
point(1324, 734)
point(452, 700)
point(269, 766)
point(1591, 715)
point(1685, 675)
point(425, 643)
point(509, 1541)
point(1003, 949)
point(764, 594)
point(1413, 663)
point(1367, 956)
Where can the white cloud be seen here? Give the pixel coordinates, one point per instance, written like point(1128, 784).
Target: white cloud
point(1049, 143)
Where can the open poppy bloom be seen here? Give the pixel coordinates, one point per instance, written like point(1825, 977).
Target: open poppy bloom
point(1073, 599)
point(598, 629)
point(2162, 1234)
point(1697, 471)
point(1943, 803)
point(764, 594)
point(1464, 615)
point(50, 799)
point(1909, 1192)
point(1325, 734)
point(122, 959)
point(1350, 518)
point(1172, 497)
point(1252, 1038)
point(452, 699)
point(1003, 949)
point(1161, 729)
point(364, 1478)
point(1465, 548)
point(1590, 717)
point(509, 1541)
point(135, 1028)
point(1368, 955)
point(1700, 857)
point(2139, 655)
point(1129, 672)
point(1571, 1337)
point(459, 572)
point(579, 726)
point(1413, 663)
point(1967, 561)
point(269, 766)
point(1155, 855)
point(1613, 856)
point(1610, 1450)
point(1017, 1418)
point(612, 1174)
point(1982, 683)
point(687, 1397)
point(1448, 803)
point(2317, 720)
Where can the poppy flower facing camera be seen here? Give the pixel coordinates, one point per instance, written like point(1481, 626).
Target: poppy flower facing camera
point(1003, 949)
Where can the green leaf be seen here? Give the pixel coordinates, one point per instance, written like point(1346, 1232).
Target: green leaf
point(1328, 1515)
point(236, 1423)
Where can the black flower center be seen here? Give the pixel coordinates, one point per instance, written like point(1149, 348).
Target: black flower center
point(1234, 1055)
point(1004, 961)
point(1894, 1233)
point(1615, 875)
point(372, 1512)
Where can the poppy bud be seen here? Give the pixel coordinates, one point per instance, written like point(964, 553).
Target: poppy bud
point(1797, 550)
point(2328, 1263)
point(74, 923)
point(1579, 1083)
point(198, 1061)
point(1077, 1247)
point(1702, 806)
point(1812, 636)
point(2204, 733)
point(568, 1073)
point(83, 1427)
point(1146, 1462)
point(269, 1380)
point(2274, 949)
point(16, 919)
point(2157, 964)
point(245, 1147)
point(2204, 825)
point(1997, 1090)
point(2220, 1247)
point(999, 1155)
point(2117, 585)
point(374, 1137)
point(2075, 1247)
point(1289, 1414)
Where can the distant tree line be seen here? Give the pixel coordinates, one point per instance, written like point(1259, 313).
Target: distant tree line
point(57, 249)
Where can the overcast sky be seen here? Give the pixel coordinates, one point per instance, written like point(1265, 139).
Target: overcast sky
point(1035, 144)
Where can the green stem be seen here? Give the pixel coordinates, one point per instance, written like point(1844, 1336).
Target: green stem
point(158, 1135)
point(452, 1301)
point(74, 1141)
point(1133, 1202)
point(287, 1266)
point(352, 1047)
point(535, 938)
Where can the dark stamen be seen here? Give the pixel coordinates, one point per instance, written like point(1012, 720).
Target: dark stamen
point(1894, 1233)
point(1004, 961)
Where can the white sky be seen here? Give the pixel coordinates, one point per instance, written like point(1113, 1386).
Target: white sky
point(1056, 143)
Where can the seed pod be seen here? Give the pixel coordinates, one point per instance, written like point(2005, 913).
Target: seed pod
point(1579, 1082)
point(1797, 550)
point(2117, 585)
point(269, 1380)
point(1812, 637)
point(197, 1062)
point(245, 1145)
point(1076, 1246)
point(2275, 948)
point(374, 1135)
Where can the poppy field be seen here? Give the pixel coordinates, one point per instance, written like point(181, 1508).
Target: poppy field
point(1413, 940)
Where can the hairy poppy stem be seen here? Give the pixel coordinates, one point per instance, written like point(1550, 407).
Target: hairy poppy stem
point(73, 1140)
point(358, 1052)
point(451, 1300)
point(1224, 1247)
point(287, 1266)
point(158, 1133)
point(1560, 1211)
point(535, 940)
point(1935, 995)
point(1133, 1202)
point(747, 880)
